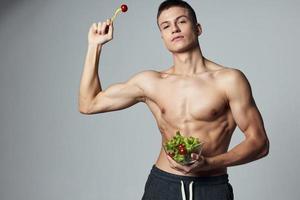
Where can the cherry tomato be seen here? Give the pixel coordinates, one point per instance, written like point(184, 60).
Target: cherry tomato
point(124, 7)
point(182, 151)
point(171, 154)
point(181, 146)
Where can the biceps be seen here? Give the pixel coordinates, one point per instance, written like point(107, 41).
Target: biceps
point(116, 97)
point(248, 118)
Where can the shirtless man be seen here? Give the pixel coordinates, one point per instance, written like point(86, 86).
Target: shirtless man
point(200, 98)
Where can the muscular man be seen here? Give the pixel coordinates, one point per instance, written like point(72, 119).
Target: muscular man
point(196, 96)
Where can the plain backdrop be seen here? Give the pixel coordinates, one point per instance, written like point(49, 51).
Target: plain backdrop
point(48, 150)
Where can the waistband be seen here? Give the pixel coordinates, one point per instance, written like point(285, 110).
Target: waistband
point(205, 180)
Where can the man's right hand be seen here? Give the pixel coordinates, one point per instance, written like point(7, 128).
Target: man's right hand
point(101, 32)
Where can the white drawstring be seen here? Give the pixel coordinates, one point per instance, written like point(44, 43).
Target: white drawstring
point(190, 189)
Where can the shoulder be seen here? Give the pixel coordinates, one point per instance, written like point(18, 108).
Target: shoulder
point(145, 80)
point(235, 84)
point(232, 76)
point(147, 73)
point(225, 74)
point(143, 76)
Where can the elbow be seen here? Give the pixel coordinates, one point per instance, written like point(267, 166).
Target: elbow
point(260, 147)
point(88, 109)
point(84, 106)
point(83, 110)
point(265, 148)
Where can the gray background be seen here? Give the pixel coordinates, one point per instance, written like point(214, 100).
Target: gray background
point(48, 150)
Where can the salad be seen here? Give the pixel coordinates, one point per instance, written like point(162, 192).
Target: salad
point(180, 148)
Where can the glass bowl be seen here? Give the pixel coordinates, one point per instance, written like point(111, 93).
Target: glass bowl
point(180, 148)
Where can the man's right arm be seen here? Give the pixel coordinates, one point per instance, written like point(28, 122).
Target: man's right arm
point(99, 34)
point(93, 99)
point(117, 96)
point(90, 84)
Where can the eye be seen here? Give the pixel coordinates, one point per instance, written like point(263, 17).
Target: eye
point(182, 22)
point(165, 27)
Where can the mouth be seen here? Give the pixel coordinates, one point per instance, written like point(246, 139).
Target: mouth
point(177, 38)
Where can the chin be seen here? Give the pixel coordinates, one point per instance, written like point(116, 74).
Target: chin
point(181, 49)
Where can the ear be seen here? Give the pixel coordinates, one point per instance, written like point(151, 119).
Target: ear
point(199, 29)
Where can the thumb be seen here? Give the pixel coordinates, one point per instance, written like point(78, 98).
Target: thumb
point(195, 156)
point(110, 28)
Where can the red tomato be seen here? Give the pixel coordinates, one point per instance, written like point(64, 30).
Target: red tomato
point(124, 7)
point(181, 146)
point(182, 151)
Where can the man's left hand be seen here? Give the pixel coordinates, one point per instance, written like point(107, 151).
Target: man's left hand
point(200, 164)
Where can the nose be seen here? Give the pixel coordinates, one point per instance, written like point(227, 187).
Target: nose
point(175, 29)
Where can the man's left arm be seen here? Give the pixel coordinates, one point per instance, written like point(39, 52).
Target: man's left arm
point(248, 119)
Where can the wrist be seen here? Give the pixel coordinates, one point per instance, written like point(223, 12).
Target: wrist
point(95, 45)
point(212, 162)
point(220, 161)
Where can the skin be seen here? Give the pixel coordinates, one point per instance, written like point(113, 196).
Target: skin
point(195, 95)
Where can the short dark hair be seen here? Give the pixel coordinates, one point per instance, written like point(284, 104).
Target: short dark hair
point(170, 3)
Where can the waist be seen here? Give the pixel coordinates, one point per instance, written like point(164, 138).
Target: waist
point(163, 164)
point(205, 180)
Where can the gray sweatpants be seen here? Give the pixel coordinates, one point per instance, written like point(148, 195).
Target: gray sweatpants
point(162, 185)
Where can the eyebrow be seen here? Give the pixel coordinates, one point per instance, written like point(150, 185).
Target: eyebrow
point(175, 19)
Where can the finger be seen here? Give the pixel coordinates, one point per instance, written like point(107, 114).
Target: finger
point(171, 161)
point(195, 164)
point(93, 28)
point(189, 168)
point(111, 27)
point(99, 28)
point(103, 27)
point(107, 26)
point(201, 159)
point(195, 156)
point(109, 21)
point(177, 166)
point(174, 164)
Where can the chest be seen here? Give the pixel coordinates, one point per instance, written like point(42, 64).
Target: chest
point(189, 99)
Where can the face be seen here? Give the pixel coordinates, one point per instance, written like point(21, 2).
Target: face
point(174, 22)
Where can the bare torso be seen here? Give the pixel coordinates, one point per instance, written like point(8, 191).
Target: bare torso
point(197, 106)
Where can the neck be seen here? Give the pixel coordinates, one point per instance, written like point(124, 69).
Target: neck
point(189, 63)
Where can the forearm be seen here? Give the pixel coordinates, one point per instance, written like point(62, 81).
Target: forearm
point(245, 152)
point(90, 84)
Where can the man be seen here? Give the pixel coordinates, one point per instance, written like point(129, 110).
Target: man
point(196, 96)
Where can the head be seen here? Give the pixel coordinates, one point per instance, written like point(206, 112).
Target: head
point(178, 18)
